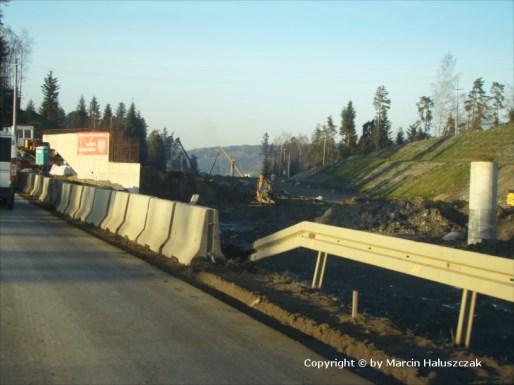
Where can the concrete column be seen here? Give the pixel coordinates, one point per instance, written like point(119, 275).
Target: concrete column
point(482, 202)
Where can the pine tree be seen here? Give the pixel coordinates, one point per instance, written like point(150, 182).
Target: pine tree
point(94, 113)
point(412, 132)
point(49, 109)
point(155, 151)
point(476, 105)
point(141, 127)
point(497, 98)
point(82, 115)
point(121, 114)
point(347, 130)
point(425, 105)
point(107, 117)
point(330, 131)
point(366, 140)
point(316, 148)
point(400, 139)
point(382, 128)
point(266, 160)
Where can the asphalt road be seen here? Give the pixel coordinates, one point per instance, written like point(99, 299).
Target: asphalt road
point(76, 310)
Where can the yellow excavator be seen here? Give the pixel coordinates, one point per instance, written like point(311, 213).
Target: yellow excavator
point(510, 198)
point(263, 193)
point(264, 188)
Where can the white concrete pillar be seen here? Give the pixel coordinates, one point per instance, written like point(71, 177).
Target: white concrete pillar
point(482, 201)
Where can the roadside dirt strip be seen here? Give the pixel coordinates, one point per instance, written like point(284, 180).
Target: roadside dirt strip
point(310, 315)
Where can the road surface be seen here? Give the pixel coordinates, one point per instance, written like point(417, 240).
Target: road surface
point(76, 310)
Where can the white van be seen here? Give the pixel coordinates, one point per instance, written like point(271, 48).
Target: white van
point(7, 168)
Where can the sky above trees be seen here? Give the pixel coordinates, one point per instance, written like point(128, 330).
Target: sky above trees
point(222, 73)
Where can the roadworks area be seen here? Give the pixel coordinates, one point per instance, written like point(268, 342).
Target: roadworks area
point(400, 318)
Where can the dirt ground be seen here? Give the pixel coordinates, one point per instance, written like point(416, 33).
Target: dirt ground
point(399, 316)
point(420, 313)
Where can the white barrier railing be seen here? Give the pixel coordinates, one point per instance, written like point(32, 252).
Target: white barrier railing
point(470, 271)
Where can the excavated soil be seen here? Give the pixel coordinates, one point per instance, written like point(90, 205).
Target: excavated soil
point(399, 316)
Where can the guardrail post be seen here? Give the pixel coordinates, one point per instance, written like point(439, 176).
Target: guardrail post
point(469, 312)
point(462, 311)
point(319, 270)
point(471, 316)
point(355, 303)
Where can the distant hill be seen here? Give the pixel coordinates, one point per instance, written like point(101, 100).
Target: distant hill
point(436, 168)
point(248, 158)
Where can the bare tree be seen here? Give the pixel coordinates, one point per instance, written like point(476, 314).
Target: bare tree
point(444, 92)
point(20, 47)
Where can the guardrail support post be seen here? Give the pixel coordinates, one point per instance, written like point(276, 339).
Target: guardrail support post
point(355, 303)
point(466, 312)
point(471, 316)
point(319, 270)
point(462, 311)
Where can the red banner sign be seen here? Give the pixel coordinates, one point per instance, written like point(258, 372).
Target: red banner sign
point(93, 143)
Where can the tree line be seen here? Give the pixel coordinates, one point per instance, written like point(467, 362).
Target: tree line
point(447, 112)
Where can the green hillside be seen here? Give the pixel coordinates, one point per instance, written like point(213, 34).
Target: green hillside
point(436, 168)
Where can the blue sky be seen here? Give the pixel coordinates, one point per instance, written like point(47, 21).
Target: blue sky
point(222, 73)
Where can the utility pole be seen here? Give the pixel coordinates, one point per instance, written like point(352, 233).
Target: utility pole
point(15, 102)
point(324, 148)
point(457, 113)
point(289, 164)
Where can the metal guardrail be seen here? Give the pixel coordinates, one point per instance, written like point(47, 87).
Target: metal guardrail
point(470, 271)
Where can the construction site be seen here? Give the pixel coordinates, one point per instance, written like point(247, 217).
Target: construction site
point(352, 308)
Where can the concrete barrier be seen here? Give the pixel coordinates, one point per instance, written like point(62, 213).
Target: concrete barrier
point(29, 185)
point(21, 181)
point(44, 197)
point(75, 198)
point(64, 198)
point(158, 224)
point(194, 234)
point(116, 211)
point(36, 188)
point(100, 206)
point(55, 191)
point(135, 218)
point(86, 203)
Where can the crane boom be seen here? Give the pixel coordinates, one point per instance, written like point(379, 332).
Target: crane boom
point(233, 166)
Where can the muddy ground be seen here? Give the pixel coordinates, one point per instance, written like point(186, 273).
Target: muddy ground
point(399, 316)
point(417, 307)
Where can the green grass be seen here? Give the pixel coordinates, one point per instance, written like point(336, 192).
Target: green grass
point(425, 168)
point(442, 179)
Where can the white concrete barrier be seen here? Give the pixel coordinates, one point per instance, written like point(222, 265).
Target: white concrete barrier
point(29, 185)
point(75, 198)
point(64, 198)
point(38, 184)
point(36, 188)
point(158, 224)
point(116, 212)
point(86, 203)
point(55, 191)
point(44, 197)
point(100, 206)
point(194, 234)
point(135, 218)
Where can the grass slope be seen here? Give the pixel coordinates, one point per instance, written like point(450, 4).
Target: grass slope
point(436, 168)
